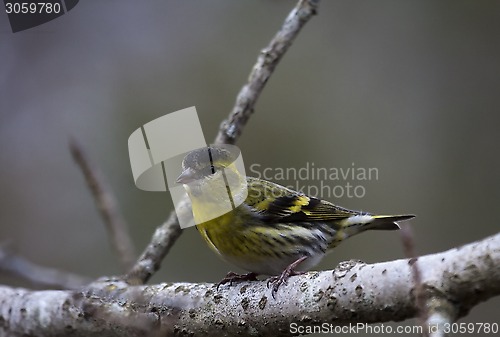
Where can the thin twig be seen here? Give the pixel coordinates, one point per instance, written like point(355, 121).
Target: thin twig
point(166, 235)
point(435, 310)
point(231, 128)
point(149, 262)
point(106, 203)
point(41, 276)
point(409, 249)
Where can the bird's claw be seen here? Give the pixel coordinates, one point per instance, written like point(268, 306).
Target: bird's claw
point(233, 277)
point(277, 281)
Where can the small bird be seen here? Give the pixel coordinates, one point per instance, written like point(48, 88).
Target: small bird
point(275, 231)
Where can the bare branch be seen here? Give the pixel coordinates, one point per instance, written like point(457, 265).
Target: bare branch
point(409, 249)
point(231, 129)
point(352, 293)
point(38, 275)
point(435, 309)
point(106, 203)
point(166, 235)
point(163, 239)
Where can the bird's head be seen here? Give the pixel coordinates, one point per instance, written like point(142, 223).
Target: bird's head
point(205, 163)
point(212, 181)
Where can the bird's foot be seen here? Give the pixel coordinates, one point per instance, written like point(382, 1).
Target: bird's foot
point(233, 277)
point(277, 281)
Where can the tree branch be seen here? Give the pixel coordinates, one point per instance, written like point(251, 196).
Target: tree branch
point(39, 275)
point(409, 248)
point(231, 128)
point(352, 293)
point(167, 234)
point(105, 201)
point(163, 239)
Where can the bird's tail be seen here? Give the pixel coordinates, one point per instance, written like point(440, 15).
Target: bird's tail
point(362, 222)
point(386, 222)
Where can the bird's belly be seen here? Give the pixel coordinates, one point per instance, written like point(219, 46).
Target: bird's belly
point(263, 250)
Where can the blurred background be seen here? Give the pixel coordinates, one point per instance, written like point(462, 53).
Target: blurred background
point(410, 88)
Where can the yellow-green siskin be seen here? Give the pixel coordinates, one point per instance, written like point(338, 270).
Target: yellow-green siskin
point(276, 231)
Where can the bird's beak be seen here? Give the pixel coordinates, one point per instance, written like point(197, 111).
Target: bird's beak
point(187, 176)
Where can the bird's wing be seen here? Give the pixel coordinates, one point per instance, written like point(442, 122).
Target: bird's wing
point(277, 203)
